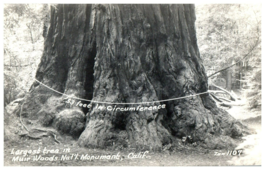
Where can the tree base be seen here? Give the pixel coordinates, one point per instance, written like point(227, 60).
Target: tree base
point(127, 54)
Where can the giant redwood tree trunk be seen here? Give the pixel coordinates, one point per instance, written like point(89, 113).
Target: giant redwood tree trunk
point(126, 54)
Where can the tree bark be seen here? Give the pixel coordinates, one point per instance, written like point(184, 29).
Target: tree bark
point(127, 54)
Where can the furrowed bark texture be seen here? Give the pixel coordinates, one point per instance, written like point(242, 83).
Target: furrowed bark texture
point(127, 54)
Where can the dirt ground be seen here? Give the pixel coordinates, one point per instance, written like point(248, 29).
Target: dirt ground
point(67, 153)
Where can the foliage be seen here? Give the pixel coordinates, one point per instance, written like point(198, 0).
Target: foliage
point(23, 46)
point(228, 32)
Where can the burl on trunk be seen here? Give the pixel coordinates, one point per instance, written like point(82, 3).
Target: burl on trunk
point(127, 54)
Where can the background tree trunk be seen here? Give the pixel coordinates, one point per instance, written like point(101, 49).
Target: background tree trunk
point(229, 79)
point(127, 54)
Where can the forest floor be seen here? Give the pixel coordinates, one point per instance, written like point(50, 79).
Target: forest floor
point(64, 154)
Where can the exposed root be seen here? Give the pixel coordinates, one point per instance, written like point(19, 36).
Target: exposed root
point(37, 133)
point(30, 133)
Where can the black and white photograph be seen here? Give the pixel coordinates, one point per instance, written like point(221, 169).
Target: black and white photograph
point(132, 84)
